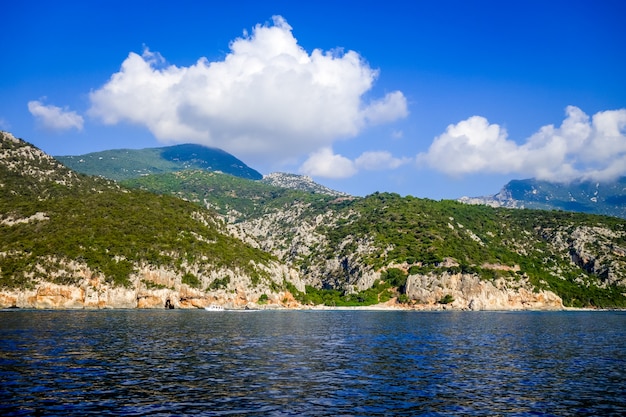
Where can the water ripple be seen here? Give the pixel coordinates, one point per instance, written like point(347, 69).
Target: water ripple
point(337, 363)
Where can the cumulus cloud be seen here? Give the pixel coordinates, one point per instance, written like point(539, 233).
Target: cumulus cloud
point(55, 118)
point(471, 146)
point(581, 148)
point(268, 99)
point(324, 163)
point(379, 160)
point(389, 108)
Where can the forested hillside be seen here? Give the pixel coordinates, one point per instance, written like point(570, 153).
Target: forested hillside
point(191, 238)
point(64, 228)
point(121, 164)
point(348, 244)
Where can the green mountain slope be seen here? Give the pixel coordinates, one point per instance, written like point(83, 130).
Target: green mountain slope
point(577, 256)
point(59, 226)
point(231, 196)
point(120, 164)
point(346, 244)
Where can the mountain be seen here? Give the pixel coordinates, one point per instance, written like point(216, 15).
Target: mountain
point(347, 249)
point(581, 196)
point(73, 241)
point(125, 164)
point(231, 197)
point(121, 164)
point(192, 238)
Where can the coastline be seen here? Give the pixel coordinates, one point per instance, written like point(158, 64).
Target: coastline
point(383, 307)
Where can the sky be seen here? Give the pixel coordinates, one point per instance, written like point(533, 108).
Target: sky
point(434, 99)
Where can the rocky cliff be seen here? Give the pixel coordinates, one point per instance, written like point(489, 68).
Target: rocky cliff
point(151, 288)
point(469, 292)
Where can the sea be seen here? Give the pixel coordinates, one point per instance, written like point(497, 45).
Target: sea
point(312, 363)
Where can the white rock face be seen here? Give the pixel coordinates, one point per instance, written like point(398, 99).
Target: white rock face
point(153, 289)
point(471, 293)
point(30, 161)
point(299, 182)
point(12, 221)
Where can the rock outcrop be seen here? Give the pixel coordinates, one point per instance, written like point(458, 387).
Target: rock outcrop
point(469, 292)
point(149, 289)
point(299, 182)
point(593, 249)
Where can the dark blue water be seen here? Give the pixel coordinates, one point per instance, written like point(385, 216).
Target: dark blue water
point(325, 363)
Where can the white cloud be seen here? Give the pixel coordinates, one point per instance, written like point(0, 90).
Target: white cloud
point(387, 109)
point(580, 148)
point(268, 100)
point(379, 160)
point(324, 163)
point(55, 118)
point(472, 145)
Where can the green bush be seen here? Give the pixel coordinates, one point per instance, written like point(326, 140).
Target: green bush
point(394, 277)
point(191, 280)
point(403, 299)
point(446, 299)
point(219, 283)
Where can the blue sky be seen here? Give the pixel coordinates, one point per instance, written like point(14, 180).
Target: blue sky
point(433, 99)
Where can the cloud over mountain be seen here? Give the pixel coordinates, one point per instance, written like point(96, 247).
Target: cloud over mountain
point(55, 118)
point(379, 160)
point(582, 147)
point(325, 163)
point(268, 99)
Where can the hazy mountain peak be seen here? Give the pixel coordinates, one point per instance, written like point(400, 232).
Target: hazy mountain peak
point(581, 196)
point(122, 164)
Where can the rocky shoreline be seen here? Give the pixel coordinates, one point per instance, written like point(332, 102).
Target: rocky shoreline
point(59, 298)
point(161, 290)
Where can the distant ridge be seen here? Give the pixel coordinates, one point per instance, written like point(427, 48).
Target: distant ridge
point(580, 196)
point(122, 164)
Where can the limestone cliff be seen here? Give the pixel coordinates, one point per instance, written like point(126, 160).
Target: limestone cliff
point(149, 289)
point(469, 292)
point(594, 250)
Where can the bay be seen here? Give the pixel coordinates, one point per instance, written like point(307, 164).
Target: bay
point(312, 363)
